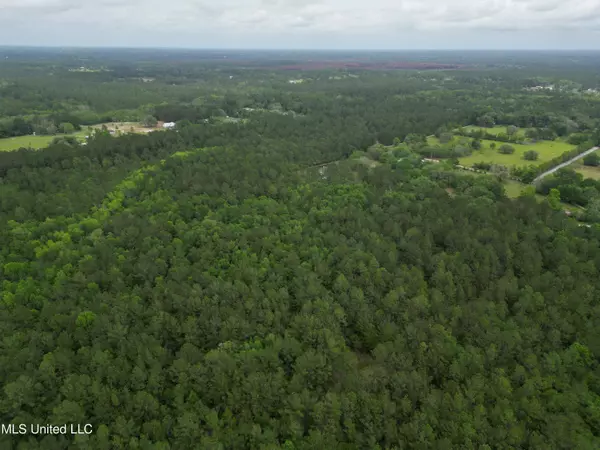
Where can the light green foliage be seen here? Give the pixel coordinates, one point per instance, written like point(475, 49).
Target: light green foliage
point(554, 199)
point(66, 128)
point(85, 319)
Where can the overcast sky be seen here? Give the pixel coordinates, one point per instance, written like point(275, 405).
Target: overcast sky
point(326, 24)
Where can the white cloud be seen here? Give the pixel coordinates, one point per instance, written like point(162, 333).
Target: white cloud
point(280, 18)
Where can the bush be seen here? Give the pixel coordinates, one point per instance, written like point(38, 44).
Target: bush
point(482, 166)
point(592, 160)
point(578, 138)
point(511, 130)
point(506, 149)
point(531, 155)
point(525, 174)
point(150, 121)
point(401, 152)
point(461, 151)
point(71, 141)
point(66, 128)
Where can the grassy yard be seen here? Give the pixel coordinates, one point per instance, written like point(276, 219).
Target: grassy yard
point(37, 142)
point(547, 150)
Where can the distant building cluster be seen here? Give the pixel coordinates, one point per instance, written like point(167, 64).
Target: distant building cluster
point(540, 88)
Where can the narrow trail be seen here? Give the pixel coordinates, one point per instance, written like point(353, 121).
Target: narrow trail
point(566, 163)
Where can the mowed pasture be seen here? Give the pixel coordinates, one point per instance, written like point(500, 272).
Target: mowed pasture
point(547, 150)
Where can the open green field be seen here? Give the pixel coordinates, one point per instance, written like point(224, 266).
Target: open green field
point(495, 130)
point(37, 142)
point(547, 150)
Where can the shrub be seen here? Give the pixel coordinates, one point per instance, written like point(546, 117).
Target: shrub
point(460, 151)
point(592, 160)
point(511, 130)
point(66, 128)
point(578, 138)
point(531, 155)
point(506, 149)
point(482, 166)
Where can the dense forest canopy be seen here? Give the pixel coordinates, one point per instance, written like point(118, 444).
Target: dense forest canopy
point(284, 270)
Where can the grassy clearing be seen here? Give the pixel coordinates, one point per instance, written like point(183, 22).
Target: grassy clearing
point(495, 130)
point(37, 142)
point(513, 188)
point(588, 171)
point(547, 150)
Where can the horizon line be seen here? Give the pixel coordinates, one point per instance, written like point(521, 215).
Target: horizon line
point(345, 49)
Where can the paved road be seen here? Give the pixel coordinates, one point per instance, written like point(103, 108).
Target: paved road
point(566, 163)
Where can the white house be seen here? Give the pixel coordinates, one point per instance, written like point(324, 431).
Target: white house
point(169, 125)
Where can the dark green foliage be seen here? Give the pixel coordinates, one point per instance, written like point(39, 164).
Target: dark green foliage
point(482, 166)
point(248, 286)
point(578, 138)
point(506, 149)
point(526, 174)
point(572, 187)
point(531, 155)
point(593, 159)
point(65, 140)
point(149, 121)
